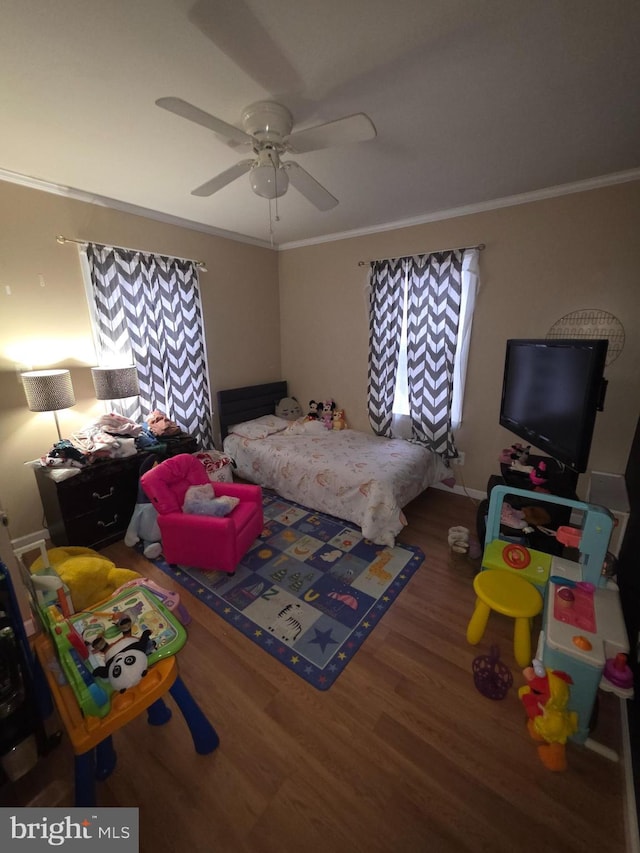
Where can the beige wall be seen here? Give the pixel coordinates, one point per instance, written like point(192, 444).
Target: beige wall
point(301, 315)
point(44, 319)
point(542, 260)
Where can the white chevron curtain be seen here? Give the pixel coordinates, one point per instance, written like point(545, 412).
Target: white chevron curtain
point(147, 310)
point(439, 307)
point(386, 301)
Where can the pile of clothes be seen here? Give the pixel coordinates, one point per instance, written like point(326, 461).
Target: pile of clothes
point(112, 436)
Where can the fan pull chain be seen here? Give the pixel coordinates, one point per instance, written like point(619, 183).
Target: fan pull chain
point(270, 225)
point(275, 218)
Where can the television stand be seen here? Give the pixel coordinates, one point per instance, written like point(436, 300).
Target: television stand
point(561, 483)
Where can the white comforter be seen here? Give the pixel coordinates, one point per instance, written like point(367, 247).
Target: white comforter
point(349, 474)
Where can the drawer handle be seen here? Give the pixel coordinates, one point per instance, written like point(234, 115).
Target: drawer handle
point(108, 523)
point(100, 497)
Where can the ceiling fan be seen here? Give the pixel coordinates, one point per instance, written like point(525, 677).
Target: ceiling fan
point(267, 132)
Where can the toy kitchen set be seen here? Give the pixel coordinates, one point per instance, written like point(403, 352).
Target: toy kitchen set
point(583, 630)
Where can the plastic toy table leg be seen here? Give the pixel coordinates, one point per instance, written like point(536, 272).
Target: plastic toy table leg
point(205, 738)
point(106, 759)
point(98, 763)
point(158, 714)
point(85, 785)
point(478, 622)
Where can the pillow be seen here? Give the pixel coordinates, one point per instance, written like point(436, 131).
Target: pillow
point(305, 427)
point(201, 500)
point(260, 427)
point(215, 462)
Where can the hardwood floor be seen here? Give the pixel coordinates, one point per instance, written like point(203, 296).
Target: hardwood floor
point(402, 754)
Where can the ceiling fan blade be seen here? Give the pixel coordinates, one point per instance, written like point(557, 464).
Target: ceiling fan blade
point(224, 178)
point(309, 187)
point(237, 31)
point(342, 131)
point(183, 109)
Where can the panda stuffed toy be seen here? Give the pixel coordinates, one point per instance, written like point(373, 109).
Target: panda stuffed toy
point(125, 662)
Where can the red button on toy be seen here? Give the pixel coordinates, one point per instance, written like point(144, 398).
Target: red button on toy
point(516, 556)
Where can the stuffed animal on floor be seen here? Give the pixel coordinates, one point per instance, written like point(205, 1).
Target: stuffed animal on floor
point(90, 576)
point(143, 526)
point(545, 698)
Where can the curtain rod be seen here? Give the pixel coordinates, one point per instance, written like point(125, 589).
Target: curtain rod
point(480, 247)
point(60, 239)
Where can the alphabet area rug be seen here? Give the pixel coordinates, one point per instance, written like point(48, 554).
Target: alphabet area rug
point(309, 591)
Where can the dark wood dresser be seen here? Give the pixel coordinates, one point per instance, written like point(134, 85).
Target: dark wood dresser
point(93, 508)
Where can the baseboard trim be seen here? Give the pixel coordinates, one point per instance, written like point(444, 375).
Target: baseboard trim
point(474, 494)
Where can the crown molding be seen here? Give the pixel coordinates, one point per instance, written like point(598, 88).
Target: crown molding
point(482, 207)
point(124, 207)
point(438, 216)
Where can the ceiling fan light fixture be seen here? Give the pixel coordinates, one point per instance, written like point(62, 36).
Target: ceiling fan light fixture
point(267, 129)
point(269, 181)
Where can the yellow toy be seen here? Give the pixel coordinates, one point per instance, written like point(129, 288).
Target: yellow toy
point(339, 421)
point(545, 698)
point(89, 575)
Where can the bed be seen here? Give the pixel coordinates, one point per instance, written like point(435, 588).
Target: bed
point(349, 474)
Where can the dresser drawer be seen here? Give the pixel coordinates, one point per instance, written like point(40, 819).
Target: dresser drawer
point(105, 491)
point(95, 529)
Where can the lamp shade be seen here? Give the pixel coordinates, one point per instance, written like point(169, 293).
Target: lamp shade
point(48, 390)
point(114, 383)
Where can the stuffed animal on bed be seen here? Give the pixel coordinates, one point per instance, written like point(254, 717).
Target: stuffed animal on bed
point(289, 409)
point(315, 410)
point(326, 416)
point(339, 421)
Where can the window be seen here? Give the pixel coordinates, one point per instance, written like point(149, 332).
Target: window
point(420, 316)
point(147, 312)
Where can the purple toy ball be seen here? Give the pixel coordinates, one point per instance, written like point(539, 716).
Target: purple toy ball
point(492, 678)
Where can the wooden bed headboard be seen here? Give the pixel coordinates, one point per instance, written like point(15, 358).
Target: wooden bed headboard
point(236, 405)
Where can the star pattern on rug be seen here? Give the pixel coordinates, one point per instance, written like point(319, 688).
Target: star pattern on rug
point(323, 638)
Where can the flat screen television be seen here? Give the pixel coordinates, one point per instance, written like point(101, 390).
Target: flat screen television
point(551, 392)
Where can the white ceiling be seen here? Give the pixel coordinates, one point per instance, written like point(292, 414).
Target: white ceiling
point(473, 101)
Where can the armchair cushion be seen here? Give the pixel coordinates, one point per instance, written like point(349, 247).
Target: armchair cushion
point(201, 500)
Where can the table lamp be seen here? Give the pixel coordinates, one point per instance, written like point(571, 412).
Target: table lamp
point(48, 391)
point(114, 383)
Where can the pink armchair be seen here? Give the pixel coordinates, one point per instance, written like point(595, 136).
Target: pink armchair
point(201, 541)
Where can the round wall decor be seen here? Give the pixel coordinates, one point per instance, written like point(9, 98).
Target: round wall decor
point(591, 323)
